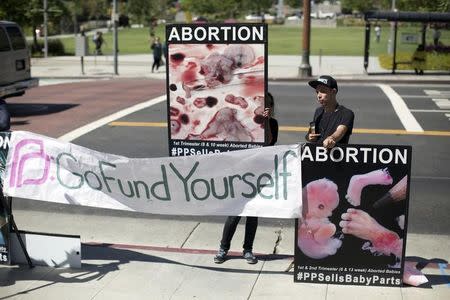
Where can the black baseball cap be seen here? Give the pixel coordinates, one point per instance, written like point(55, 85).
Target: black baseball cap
point(325, 80)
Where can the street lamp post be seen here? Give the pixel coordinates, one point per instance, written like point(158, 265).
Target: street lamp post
point(391, 36)
point(45, 29)
point(305, 67)
point(115, 37)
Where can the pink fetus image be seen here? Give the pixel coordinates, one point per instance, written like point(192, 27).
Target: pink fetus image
point(360, 224)
point(358, 182)
point(315, 232)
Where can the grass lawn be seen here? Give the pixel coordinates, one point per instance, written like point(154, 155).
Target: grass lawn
point(283, 40)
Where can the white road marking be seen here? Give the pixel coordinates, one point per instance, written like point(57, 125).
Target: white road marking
point(68, 137)
point(448, 116)
point(442, 103)
point(430, 110)
point(404, 114)
point(44, 82)
point(423, 96)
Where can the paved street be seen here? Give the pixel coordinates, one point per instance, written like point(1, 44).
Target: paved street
point(134, 247)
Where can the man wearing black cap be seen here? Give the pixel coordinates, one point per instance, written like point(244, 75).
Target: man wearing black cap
point(332, 123)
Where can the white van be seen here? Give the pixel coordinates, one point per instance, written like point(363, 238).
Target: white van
point(15, 76)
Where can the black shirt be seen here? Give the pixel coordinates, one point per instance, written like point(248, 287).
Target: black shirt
point(273, 123)
point(327, 122)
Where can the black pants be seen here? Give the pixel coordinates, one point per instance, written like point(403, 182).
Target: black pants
point(230, 228)
point(156, 63)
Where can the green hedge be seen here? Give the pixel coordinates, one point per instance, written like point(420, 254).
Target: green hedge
point(55, 48)
point(434, 61)
point(350, 21)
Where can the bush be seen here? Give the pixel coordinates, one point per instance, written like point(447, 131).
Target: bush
point(55, 48)
point(434, 61)
point(350, 21)
point(441, 48)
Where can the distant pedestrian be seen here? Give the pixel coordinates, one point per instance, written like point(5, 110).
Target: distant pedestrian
point(157, 48)
point(332, 122)
point(436, 36)
point(98, 41)
point(419, 60)
point(377, 30)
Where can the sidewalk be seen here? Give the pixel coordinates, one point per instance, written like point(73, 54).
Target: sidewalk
point(143, 257)
point(281, 67)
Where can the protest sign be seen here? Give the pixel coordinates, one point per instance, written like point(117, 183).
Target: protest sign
point(262, 182)
point(216, 87)
point(5, 256)
point(354, 218)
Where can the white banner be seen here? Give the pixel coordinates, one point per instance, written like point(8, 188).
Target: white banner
point(264, 182)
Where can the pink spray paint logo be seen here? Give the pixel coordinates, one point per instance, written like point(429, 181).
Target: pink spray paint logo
point(16, 178)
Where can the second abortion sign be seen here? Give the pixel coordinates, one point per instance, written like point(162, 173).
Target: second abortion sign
point(355, 211)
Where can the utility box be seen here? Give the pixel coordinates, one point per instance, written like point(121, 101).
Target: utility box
point(81, 46)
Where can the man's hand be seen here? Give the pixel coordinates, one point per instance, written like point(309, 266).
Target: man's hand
point(312, 137)
point(329, 142)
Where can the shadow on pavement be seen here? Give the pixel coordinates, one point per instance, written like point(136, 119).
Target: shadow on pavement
point(123, 256)
point(34, 109)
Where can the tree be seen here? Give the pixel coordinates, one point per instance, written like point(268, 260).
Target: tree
point(147, 11)
point(294, 3)
point(423, 5)
point(357, 5)
point(14, 10)
point(214, 9)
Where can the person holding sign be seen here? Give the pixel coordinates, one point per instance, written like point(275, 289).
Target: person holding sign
point(332, 122)
point(251, 222)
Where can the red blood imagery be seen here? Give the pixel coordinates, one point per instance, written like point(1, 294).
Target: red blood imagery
point(225, 127)
point(174, 111)
point(253, 84)
point(174, 127)
point(215, 92)
point(181, 100)
point(259, 60)
point(230, 98)
point(177, 58)
point(200, 102)
point(190, 74)
point(208, 101)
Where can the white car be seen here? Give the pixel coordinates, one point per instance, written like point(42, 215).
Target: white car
point(322, 15)
point(15, 75)
point(258, 18)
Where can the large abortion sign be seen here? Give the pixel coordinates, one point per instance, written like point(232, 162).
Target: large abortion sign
point(216, 87)
point(354, 218)
point(262, 182)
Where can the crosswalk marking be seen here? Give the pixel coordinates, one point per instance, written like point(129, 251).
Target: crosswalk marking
point(407, 119)
point(442, 103)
